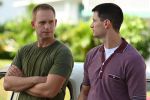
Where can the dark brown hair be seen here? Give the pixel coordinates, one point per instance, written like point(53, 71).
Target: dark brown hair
point(111, 12)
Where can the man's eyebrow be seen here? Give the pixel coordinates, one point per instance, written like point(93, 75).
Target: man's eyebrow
point(42, 21)
point(93, 19)
point(51, 20)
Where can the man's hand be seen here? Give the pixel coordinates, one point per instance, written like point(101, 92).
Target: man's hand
point(84, 92)
point(14, 80)
point(14, 71)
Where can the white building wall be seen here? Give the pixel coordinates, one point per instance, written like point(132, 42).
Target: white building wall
point(7, 11)
point(66, 10)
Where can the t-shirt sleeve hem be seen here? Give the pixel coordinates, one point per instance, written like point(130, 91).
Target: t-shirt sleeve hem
point(60, 74)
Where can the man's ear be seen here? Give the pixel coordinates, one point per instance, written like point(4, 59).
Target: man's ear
point(33, 24)
point(107, 24)
point(55, 22)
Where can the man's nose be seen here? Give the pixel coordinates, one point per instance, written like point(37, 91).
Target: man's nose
point(91, 25)
point(47, 25)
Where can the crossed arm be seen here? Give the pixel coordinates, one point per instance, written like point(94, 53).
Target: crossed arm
point(38, 86)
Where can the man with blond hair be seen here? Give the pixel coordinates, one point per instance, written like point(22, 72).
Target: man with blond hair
point(40, 71)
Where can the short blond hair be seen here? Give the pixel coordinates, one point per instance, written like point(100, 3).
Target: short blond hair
point(42, 7)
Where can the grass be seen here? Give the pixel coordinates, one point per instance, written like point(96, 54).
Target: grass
point(3, 63)
point(6, 95)
point(67, 96)
point(3, 94)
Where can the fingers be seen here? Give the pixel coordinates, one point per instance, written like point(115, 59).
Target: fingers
point(17, 70)
point(14, 71)
point(10, 72)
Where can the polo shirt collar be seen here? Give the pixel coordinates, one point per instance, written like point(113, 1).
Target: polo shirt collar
point(120, 49)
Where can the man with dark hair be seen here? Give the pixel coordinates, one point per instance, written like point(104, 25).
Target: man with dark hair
point(114, 70)
point(40, 71)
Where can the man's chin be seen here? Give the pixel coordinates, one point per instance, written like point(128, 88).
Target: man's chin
point(45, 37)
point(97, 36)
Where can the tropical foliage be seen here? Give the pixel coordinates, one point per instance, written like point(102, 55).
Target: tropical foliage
point(78, 37)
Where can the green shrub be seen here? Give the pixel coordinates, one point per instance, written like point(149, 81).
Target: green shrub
point(137, 33)
point(16, 34)
point(79, 37)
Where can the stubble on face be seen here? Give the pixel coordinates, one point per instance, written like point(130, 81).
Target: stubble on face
point(97, 27)
point(44, 24)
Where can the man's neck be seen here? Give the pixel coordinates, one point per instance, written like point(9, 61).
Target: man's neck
point(112, 40)
point(45, 42)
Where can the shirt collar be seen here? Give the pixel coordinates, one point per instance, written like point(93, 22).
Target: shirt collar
point(120, 49)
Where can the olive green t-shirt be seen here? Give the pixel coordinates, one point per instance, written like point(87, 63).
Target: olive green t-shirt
point(35, 61)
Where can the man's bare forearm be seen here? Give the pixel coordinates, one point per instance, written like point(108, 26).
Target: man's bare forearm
point(38, 90)
point(13, 81)
point(33, 93)
point(49, 89)
point(18, 84)
point(41, 90)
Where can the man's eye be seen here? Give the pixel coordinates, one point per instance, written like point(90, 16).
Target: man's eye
point(51, 21)
point(94, 20)
point(42, 23)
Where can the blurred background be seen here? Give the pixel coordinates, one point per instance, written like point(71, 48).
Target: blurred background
point(74, 19)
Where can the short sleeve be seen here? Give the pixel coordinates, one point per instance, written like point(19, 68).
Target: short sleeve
point(136, 79)
point(17, 59)
point(86, 80)
point(63, 63)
